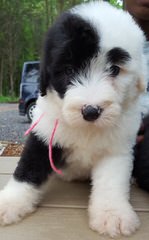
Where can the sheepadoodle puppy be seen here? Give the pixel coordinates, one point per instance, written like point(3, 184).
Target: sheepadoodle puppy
point(92, 77)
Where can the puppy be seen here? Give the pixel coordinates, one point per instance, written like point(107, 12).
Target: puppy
point(92, 76)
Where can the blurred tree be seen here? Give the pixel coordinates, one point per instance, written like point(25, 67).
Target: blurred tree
point(117, 3)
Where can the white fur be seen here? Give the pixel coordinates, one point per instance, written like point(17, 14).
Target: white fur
point(100, 149)
point(17, 200)
point(109, 210)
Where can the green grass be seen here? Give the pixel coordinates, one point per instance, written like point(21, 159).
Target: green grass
point(8, 99)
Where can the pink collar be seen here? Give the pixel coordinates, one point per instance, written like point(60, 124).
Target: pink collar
point(58, 171)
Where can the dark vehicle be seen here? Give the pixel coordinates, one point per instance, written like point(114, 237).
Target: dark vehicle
point(29, 88)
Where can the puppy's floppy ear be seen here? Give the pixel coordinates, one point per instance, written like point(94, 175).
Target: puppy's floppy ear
point(45, 66)
point(44, 78)
point(53, 41)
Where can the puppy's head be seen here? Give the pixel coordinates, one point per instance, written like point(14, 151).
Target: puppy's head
point(93, 64)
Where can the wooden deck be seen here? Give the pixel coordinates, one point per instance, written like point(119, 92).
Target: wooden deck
point(63, 213)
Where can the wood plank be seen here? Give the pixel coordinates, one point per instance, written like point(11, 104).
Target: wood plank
point(3, 180)
point(65, 224)
point(76, 195)
point(8, 164)
point(139, 199)
point(70, 194)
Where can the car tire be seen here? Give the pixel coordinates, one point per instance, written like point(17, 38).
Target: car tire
point(30, 110)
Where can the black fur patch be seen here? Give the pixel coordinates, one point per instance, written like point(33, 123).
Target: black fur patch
point(118, 56)
point(141, 163)
point(34, 166)
point(70, 44)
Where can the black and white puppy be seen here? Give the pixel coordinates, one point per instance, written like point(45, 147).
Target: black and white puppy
point(92, 76)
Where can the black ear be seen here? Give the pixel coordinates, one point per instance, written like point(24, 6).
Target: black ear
point(44, 78)
point(42, 84)
point(70, 44)
point(45, 74)
point(53, 45)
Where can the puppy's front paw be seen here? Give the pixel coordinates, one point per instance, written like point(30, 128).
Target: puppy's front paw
point(13, 209)
point(114, 222)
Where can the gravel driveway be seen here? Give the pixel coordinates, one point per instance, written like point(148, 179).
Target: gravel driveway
point(12, 126)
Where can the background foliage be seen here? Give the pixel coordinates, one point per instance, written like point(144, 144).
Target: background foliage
point(23, 26)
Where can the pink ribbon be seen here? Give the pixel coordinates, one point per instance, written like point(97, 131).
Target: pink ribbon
point(34, 125)
point(50, 149)
point(58, 171)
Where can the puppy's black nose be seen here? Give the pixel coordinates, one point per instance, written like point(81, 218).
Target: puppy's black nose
point(91, 113)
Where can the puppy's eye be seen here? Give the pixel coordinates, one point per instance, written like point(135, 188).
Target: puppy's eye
point(69, 71)
point(114, 70)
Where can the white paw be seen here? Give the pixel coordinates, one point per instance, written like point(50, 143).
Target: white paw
point(12, 210)
point(115, 222)
point(17, 200)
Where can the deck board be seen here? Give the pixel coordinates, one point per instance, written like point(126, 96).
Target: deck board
point(63, 212)
point(8, 164)
point(62, 224)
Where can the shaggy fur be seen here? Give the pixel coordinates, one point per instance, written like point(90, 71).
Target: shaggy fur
point(92, 76)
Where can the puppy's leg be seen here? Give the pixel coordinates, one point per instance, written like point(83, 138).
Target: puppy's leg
point(110, 211)
point(23, 192)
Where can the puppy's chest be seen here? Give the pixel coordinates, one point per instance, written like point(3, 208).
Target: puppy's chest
point(84, 157)
point(83, 147)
